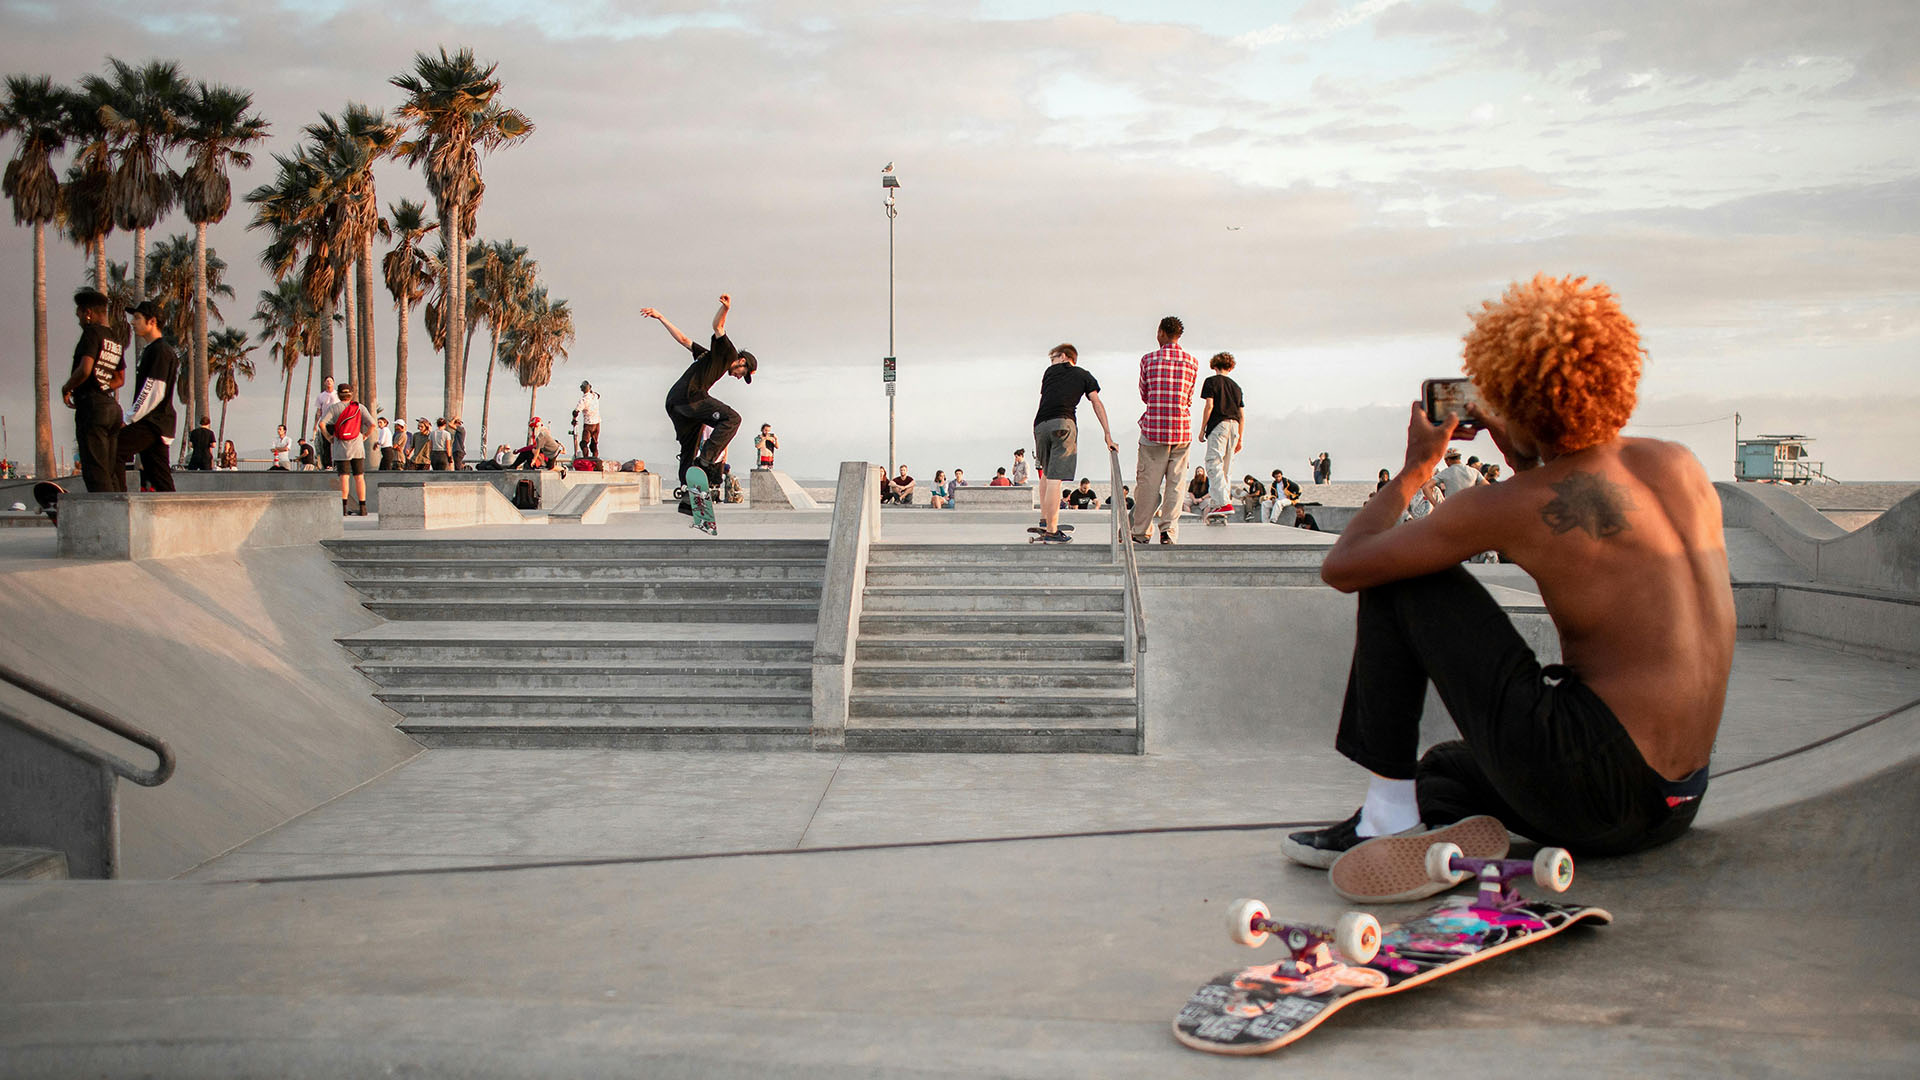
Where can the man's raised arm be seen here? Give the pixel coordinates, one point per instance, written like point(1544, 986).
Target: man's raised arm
point(720, 317)
point(684, 340)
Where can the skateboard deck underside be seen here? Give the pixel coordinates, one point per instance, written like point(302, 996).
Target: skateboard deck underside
point(1258, 1009)
point(700, 496)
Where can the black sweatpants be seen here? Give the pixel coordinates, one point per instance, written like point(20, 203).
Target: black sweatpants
point(689, 417)
point(141, 441)
point(1539, 749)
point(96, 424)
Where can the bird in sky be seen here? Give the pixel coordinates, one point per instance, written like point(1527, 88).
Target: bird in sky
point(1233, 228)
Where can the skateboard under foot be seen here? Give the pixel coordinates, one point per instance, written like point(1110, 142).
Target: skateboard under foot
point(1255, 1010)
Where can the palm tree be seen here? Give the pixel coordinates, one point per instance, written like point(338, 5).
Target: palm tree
point(141, 109)
point(345, 150)
point(35, 113)
point(172, 281)
point(451, 119)
point(538, 337)
point(86, 206)
point(408, 271)
point(286, 327)
point(217, 130)
point(293, 211)
point(227, 353)
point(505, 281)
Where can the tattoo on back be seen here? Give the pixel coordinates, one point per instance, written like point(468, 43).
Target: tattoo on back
point(1590, 502)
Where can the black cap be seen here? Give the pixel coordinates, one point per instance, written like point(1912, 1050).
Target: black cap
point(146, 309)
point(753, 365)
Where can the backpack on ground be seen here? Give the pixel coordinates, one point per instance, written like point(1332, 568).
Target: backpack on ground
point(526, 495)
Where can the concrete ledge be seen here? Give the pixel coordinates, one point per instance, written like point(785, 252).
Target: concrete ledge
point(139, 525)
point(988, 497)
point(1884, 554)
point(590, 504)
point(446, 504)
point(772, 489)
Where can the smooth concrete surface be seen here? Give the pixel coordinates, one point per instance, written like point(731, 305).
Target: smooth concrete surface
point(425, 504)
point(1883, 554)
point(771, 489)
point(984, 496)
point(592, 504)
point(229, 658)
point(141, 525)
point(856, 525)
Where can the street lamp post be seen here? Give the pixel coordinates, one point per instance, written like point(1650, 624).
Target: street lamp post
point(890, 184)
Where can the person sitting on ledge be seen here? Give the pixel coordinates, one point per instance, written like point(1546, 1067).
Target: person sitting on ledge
point(1605, 752)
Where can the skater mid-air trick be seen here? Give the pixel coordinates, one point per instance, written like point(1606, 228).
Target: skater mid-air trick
point(692, 407)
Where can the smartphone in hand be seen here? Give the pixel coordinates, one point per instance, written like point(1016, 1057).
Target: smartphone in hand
point(1450, 397)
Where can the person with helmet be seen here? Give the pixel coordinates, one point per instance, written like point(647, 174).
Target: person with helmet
point(586, 416)
point(691, 407)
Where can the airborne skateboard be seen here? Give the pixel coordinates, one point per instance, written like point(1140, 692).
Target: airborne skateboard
point(700, 497)
point(1258, 1009)
point(47, 494)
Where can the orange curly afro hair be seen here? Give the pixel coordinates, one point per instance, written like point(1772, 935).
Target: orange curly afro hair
point(1557, 356)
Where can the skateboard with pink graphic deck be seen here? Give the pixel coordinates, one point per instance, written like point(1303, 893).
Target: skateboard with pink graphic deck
point(1255, 1010)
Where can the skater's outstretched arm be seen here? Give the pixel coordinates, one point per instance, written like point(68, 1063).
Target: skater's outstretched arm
point(683, 339)
point(720, 317)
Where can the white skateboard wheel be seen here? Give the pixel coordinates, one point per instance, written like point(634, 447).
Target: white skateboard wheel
point(1553, 869)
point(1240, 916)
point(1440, 869)
point(1357, 936)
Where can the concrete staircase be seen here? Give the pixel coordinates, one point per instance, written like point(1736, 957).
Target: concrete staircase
point(696, 644)
point(992, 648)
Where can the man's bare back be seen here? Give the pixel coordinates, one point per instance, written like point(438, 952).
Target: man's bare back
point(1626, 543)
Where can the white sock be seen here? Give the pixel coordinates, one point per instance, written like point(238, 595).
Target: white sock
point(1390, 808)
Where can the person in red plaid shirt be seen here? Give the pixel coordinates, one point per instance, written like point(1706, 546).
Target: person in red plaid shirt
point(1167, 375)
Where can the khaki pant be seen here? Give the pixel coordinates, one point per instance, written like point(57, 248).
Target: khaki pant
point(1159, 476)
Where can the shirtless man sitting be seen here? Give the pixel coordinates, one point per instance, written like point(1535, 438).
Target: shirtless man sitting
point(1603, 753)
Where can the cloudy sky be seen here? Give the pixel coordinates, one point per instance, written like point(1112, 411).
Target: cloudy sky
point(1324, 188)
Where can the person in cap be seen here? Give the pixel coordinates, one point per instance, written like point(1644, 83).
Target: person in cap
point(99, 370)
point(690, 405)
point(586, 413)
point(150, 427)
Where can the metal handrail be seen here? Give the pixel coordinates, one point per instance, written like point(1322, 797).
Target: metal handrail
point(144, 777)
point(1129, 561)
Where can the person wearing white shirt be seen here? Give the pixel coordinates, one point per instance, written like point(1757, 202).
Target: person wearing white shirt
point(587, 414)
point(383, 433)
point(282, 450)
point(322, 401)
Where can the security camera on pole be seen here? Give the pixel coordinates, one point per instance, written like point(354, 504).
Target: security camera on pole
point(890, 184)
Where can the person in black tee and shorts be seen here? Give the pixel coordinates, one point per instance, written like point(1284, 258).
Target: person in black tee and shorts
point(1223, 427)
point(691, 407)
point(1055, 432)
point(149, 431)
point(99, 369)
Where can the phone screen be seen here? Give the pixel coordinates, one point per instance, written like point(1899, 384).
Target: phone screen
point(1449, 397)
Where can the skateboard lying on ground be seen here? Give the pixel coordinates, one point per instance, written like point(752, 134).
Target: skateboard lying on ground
point(700, 497)
point(47, 494)
point(1257, 1009)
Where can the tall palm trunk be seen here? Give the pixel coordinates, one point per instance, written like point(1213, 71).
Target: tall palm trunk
point(220, 439)
point(42, 388)
point(456, 308)
point(400, 362)
point(139, 265)
point(286, 396)
point(352, 326)
point(99, 249)
point(533, 396)
point(371, 397)
point(306, 400)
point(486, 399)
point(199, 347)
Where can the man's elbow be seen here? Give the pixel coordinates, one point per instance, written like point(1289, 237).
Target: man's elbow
point(1336, 570)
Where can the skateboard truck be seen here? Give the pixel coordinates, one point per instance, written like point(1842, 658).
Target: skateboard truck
point(1551, 869)
point(1356, 936)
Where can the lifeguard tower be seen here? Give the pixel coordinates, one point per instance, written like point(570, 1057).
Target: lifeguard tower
point(1779, 459)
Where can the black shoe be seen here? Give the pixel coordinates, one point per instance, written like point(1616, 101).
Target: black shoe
point(1322, 847)
point(685, 508)
point(1166, 538)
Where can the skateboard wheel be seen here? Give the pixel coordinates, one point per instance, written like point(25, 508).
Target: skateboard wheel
point(1240, 918)
point(1357, 936)
point(1553, 869)
point(1440, 869)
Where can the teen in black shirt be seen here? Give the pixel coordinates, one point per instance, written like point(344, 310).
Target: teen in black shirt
point(691, 407)
point(98, 371)
point(149, 430)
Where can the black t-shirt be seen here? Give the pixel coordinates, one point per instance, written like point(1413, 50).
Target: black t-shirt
point(710, 362)
point(1061, 389)
point(1082, 500)
point(108, 356)
point(160, 365)
point(201, 439)
point(1256, 489)
point(1227, 403)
